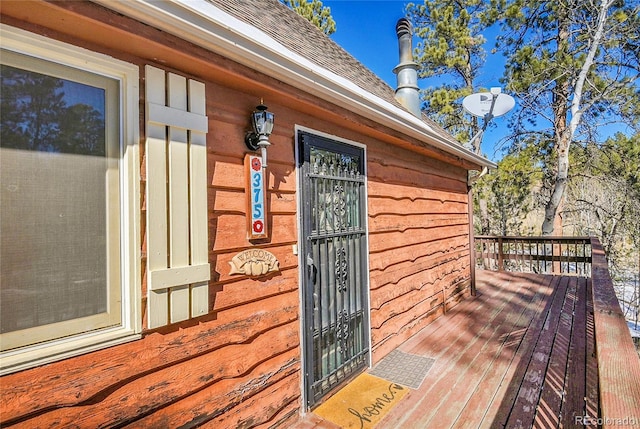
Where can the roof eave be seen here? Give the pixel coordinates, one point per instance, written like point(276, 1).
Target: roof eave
point(205, 25)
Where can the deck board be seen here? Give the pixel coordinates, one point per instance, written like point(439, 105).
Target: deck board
point(461, 370)
point(488, 389)
point(522, 412)
point(514, 356)
point(519, 354)
point(592, 387)
point(576, 375)
point(549, 404)
point(498, 410)
point(481, 378)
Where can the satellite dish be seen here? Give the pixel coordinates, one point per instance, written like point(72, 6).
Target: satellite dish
point(487, 105)
point(482, 104)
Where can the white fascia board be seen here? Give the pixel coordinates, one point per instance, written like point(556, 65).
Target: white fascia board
point(205, 25)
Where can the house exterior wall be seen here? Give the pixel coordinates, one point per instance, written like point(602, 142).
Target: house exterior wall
point(419, 243)
point(240, 365)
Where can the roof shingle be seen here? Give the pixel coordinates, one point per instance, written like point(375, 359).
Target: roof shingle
point(302, 37)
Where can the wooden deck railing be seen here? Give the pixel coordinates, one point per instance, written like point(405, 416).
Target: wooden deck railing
point(618, 362)
point(542, 255)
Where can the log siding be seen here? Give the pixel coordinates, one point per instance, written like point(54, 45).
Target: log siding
point(419, 244)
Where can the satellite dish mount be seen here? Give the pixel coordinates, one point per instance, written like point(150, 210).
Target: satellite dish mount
point(487, 105)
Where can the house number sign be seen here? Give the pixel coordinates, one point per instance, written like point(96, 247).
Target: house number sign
point(257, 226)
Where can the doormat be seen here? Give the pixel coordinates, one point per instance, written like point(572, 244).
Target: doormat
point(403, 368)
point(362, 403)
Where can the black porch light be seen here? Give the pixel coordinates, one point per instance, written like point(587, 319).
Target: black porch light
point(262, 123)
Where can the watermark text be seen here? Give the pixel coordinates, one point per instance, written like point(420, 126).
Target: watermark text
point(609, 421)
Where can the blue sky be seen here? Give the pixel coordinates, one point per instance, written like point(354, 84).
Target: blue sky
point(366, 29)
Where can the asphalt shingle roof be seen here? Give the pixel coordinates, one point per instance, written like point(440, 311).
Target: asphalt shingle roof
point(302, 37)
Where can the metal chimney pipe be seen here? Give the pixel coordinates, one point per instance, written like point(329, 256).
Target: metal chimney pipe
point(407, 91)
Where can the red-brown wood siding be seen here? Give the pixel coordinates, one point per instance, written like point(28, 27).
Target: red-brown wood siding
point(239, 366)
point(418, 242)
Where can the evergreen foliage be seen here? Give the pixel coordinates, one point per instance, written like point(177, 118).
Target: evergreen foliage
point(573, 67)
point(604, 194)
point(451, 46)
point(509, 193)
point(314, 12)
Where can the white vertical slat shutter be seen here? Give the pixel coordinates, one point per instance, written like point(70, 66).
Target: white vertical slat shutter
point(177, 243)
point(198, 213)
point(156, 201)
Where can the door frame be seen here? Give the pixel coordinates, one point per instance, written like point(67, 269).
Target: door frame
point(299, 248)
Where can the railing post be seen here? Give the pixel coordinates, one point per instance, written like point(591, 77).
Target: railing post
point(556, 249)
point(472, 241)
point(500, 255)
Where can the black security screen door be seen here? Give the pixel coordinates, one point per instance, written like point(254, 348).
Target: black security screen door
point(336, 317)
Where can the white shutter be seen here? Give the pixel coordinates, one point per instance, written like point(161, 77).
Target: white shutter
point(177, 243)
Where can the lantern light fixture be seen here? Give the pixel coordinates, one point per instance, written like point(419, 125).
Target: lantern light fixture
point(262, 123)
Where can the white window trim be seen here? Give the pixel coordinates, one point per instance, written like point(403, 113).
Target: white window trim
point(128, 75)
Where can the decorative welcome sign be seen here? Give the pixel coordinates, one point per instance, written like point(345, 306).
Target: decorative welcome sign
point(256, 198)
point(254, 262)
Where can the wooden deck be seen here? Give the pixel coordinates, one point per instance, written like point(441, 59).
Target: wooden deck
point(520, 354)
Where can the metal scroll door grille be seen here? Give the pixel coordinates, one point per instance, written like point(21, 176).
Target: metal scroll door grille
point(335, 288)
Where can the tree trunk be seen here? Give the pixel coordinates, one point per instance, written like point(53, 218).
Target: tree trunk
point(484, 216)
point(563, 136)
point(565, 101)
point(552, 217)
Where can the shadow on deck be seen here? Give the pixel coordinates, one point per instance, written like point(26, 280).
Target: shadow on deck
point(529, 350)
point(520, 354)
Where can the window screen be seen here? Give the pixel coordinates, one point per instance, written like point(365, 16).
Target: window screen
point(59, 201)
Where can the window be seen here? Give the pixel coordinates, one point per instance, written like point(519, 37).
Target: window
point(68, 201)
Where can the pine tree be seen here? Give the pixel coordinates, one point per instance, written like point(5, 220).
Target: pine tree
point(451, 47)
point(574, 66)
point(314, 12)
point(509, 193)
